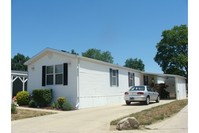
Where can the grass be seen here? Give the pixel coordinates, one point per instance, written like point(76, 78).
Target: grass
point(23, 113)
point(152, 115)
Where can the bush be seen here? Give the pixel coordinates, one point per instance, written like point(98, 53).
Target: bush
point(13, 108)
point(61, 101)
point(23, 98)
point(66, 106)
point(42, 97)
point(55, 105)
point(32, 103)
point(63, 104)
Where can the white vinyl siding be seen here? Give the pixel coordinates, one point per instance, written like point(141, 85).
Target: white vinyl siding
point(94, 85)
point(37, 79)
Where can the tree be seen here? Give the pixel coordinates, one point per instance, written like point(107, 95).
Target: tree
point(17, 62)
point(73, 52)
point(134, 64)
point(172, 51)
point(98, 55)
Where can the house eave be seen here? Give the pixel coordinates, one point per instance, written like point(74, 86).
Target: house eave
point(164, 75)
point(48, 50)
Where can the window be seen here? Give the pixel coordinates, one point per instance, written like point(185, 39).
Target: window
point(145, 80)
point(149, 88)
point(137, 88)
point(49, 75)
point(57, 74)
point(131, 77)
point(114, 77)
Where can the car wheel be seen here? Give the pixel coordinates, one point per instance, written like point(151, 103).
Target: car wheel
point(128, 103)
point(147, 100)
point(158, 99)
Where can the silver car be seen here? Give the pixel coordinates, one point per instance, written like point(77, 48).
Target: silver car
point(141, 94)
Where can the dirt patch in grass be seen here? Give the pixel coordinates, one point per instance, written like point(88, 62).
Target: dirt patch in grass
point(152, 115)
point(24, 113)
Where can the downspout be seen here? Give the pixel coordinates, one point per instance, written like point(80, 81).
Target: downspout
point(77, 75)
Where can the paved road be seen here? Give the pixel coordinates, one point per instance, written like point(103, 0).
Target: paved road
point(78, 121)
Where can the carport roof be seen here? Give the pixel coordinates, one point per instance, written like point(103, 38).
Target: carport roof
point(164, 75)
point(19, 73)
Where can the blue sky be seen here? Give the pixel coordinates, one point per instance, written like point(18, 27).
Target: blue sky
point(126, 28)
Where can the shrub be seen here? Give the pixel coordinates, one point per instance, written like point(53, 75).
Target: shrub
point(66, 106)
point(13, 108)
point(55, 105)
point(42, 97)
point(23, 98)
point(61, 101)
point(63, 104)
point(32, 103)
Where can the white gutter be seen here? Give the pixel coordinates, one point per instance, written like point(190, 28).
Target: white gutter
point(19, 74)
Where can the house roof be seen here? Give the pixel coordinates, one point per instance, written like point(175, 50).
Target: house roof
point(44, 52)
point(50, 50)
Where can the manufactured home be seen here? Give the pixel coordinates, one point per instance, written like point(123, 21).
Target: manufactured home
point(83, 81)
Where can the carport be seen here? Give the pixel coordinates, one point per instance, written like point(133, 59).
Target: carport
point(18, 81)
point(170, 86)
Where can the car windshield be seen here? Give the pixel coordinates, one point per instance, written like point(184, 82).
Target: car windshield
point(137, 88)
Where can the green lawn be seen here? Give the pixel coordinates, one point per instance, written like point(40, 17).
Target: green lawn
point(23, 113)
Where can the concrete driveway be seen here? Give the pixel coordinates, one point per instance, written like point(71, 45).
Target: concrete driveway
point(79, 121)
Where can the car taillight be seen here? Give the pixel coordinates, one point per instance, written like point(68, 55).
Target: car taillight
point(126, 93)
point(140, 93)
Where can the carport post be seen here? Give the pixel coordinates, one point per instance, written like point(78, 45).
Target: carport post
point(176, 88)
point(23, 82)
point(11, 88)
point(12, 80)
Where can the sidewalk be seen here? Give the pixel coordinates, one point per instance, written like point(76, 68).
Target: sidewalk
point(176, 124)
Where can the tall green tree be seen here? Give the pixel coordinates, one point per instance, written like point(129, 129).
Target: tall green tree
point(135, 64)
point(172, 51)
point(17, 62)
point(98, 55)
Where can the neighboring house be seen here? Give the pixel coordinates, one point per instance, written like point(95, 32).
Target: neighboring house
point(19, 81)
point(83, 81)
